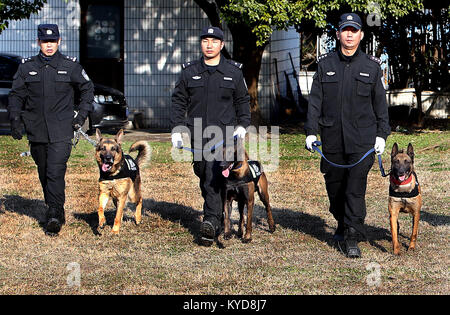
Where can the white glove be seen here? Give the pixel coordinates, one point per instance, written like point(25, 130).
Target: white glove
point(309, 142)
point(177, 141)
point(379, 145)
point(240, 132)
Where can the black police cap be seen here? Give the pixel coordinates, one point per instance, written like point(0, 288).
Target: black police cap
point(350, 19)
point(48, 32)
point(212, 31)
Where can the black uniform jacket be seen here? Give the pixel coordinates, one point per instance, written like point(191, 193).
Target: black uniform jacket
point(219, 98)
point(43, 94)
point(347, 103)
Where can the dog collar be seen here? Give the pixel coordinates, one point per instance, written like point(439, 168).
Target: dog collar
point(398, 183)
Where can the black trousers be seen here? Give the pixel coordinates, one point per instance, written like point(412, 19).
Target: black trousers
point(346, 187)
point(51, 160)
point(211, 181)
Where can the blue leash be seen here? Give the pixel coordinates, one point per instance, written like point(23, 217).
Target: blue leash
point(218, 144)
point(317, 144)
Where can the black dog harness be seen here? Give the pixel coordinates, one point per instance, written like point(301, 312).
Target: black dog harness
point(255, 171)
point(411, 194)
point(129, 168)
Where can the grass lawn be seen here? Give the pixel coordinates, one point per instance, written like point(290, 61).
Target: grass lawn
point(161, 256)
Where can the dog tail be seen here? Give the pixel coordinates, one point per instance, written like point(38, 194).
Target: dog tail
point(144, 152)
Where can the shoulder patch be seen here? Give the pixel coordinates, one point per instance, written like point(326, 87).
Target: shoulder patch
point(188, 64)
point(322, 57)
point(375, 59)
point(74, 59)
point(26, 59)
point(235, 63)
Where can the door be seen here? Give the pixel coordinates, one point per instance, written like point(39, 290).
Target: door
point(101, 41)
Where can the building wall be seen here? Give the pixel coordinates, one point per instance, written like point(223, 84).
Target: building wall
point(159, 36)
point(20, 37)
point(282, 43)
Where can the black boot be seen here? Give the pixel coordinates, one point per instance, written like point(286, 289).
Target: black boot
point(351, 243)
point(53, 227)
point(207, 233)
point(55, 221)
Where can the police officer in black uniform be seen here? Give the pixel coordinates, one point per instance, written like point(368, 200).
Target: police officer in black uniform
point(42, 96)
point(347, 107)
point(211, 91)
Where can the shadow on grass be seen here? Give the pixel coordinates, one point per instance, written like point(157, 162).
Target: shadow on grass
point(316, 227)
point(33, 208)
point(187, 217)
point(190, 219)
point(434, 219)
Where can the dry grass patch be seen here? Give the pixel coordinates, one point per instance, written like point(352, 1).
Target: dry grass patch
point(161, 256)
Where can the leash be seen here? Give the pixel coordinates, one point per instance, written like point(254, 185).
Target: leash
point(316, 145)
point(76, 138)
point(218, 144)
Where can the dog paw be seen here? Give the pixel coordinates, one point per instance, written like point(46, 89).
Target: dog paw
point(101, 223)
point(227, 236)
point(247, 240)
point(272, 229)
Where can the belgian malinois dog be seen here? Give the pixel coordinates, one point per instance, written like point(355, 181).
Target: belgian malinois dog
point(119, 176)
point(241, 181)
point(404, 194)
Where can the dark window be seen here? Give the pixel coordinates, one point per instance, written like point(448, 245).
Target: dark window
point(8, 67)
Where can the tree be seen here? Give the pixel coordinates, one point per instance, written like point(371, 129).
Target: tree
point(418, 48)
point(17, 10)
point(251, 23)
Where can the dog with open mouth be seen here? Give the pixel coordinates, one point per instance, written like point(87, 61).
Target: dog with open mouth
point(120, 177)
point(404, 194)
point(242, 177)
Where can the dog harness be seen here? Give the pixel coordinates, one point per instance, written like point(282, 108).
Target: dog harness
point(255, 171)
point(129, 168)
point(411, 194)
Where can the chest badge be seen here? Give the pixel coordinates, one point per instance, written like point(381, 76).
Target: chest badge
point(197, 77)
point(228, 78)
point(62, 72)
point(32, 73)
point(364, 74)
point(330, 73)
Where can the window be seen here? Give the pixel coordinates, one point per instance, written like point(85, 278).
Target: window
point(8, 67)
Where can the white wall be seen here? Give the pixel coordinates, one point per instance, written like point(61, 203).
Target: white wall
point(20, 37)
point(281, 44)
point(159, 36)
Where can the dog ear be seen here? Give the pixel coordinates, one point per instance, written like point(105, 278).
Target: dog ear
point(394, 151)
point(98, 134)
point(119, 136)
point(410, 152)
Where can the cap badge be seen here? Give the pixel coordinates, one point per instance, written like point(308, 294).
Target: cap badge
point(49, 32)
point(210, 31)
point(349, 17)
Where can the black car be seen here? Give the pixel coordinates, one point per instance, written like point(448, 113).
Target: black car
point(110, 106)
